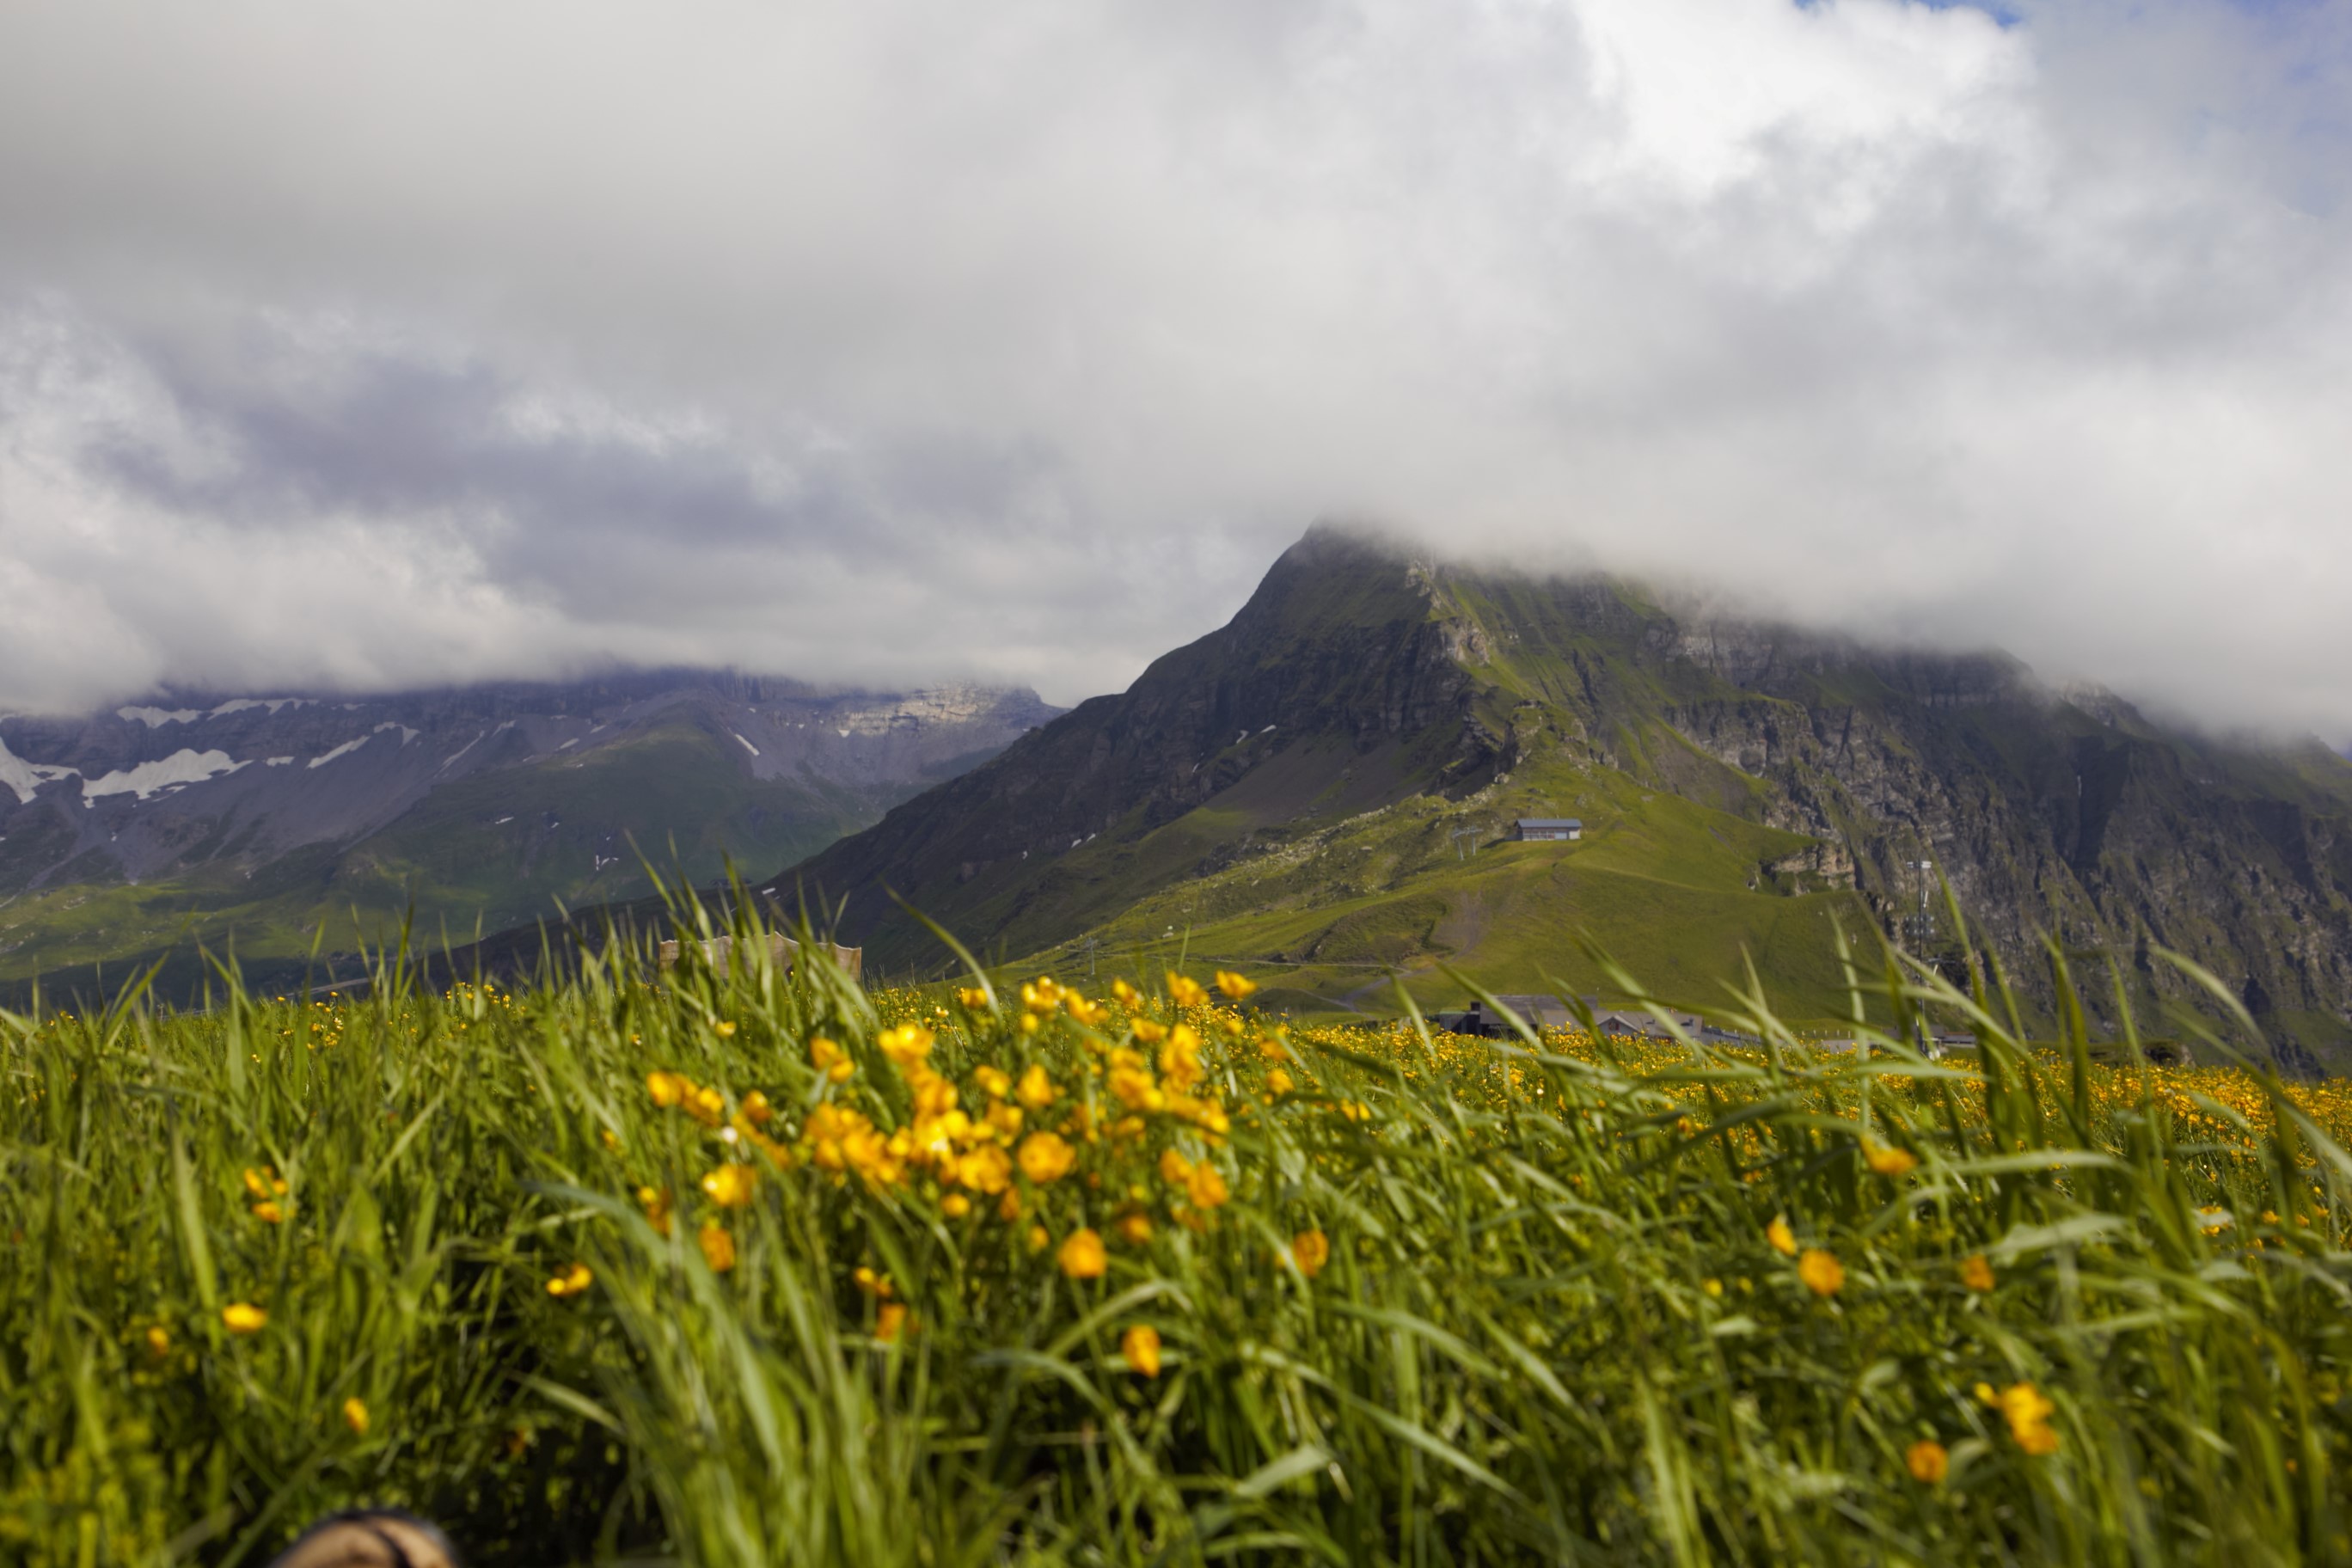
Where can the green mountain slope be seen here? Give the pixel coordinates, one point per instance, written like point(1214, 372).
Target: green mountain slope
point(560, 799)
point(1302, 792)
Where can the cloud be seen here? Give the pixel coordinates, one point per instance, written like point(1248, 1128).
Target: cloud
point(897, 340)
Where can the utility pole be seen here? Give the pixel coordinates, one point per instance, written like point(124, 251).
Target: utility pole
point(1460, 834)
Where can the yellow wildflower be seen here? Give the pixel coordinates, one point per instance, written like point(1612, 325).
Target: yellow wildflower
point(829, 1059)
point(1047, 1157)
point(572, 1281)
point(655, 1203)
point(1174, 1169)
point(1037, 1090)
point(756, 1106)
point(1139, 1348)
point(874, 1284)
point(1927, 1462)
point(730, 1187)
point(159, 1342)
point(264, 1183)
point(1977, 1274)
point(890, 1321)
point(1128, 997)
point(1206, 1187)
point(1180, 1059)
point(1783, 1239)
point(906, 1045)
point(955, 1205)
point(707, 1105)
point(1185, 991)
point(1311, 1250)
point(717, 1246)
point(1037, 1238)
point(994, 1082)
point(1234, 986)
point(1278, 1081)
point(269, 1212)
point(1149, 1031)
point(1134, 1228)
point(723, 1029)
point(667, 1088)
point(243, 1318)
point(1823, 1275)
point(1888, 1159)
point(984, 1170)
point(972, 996)
point(356, 1416)
point(1082, 1255)
point(2028, 1411)
point(1714, 1287)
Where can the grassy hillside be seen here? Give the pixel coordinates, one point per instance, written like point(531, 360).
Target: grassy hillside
point(744, 1268)
point(1289, 790)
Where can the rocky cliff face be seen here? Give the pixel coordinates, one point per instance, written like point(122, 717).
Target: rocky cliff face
point(1355, 677)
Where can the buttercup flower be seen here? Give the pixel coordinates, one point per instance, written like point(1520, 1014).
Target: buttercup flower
point(1185, 991)
point(1139, 1347)
point(1927, 1462)
point(717, 1246)
point(243, 1318)
point(1236, 986)
point(667, 1088)
point(2028, 1411)
point(1823, 1275)
point(1977, 1274)
point(1047, 1157)
point(1311, 1249)
point(1037, 1090)
point(1082, 1255)
point(1783, 1239)
point(356, 1416)
point(731, 1186)
point(572, 1281)
point(1887, 1160)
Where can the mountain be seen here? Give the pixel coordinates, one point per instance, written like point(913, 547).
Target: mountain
point(255, 818)
point(1323, 789)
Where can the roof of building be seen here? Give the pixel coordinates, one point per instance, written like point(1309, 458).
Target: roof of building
point(1549, 822)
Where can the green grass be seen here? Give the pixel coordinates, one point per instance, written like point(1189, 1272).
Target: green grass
point(1554, 1325)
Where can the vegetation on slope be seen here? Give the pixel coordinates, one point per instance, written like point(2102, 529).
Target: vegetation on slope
point(750, 1267)
point(486, 852)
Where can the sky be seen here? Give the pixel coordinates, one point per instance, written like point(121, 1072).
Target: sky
point(887, 342)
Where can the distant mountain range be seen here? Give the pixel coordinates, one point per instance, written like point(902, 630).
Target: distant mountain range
point(252, 819)
point(1324, 790)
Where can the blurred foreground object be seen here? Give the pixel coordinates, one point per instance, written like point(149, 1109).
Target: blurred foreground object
point(370, 1538)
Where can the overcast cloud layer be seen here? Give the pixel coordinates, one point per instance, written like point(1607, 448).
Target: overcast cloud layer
point(886, 342)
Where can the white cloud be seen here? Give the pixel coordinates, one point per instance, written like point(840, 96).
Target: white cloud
point(895, 341)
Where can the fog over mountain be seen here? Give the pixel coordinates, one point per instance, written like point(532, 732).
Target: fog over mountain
point(901, 343)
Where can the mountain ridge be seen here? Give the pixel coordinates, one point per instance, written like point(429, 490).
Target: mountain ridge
point(221, 815)
point(1807, 767)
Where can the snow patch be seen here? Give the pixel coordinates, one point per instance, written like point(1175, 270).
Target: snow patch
point(750, 748)
point(182, 767)
point(156, 718)
point(407, 734)
point(239, 705)
point(343, 750)
point(569, 744)
point(25, 777)
point(278, 761)
point(463, 749)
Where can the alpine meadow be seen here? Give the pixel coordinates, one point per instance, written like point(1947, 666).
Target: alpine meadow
point(736, 1265)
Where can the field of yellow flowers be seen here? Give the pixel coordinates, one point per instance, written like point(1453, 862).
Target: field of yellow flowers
point(736, 1266)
